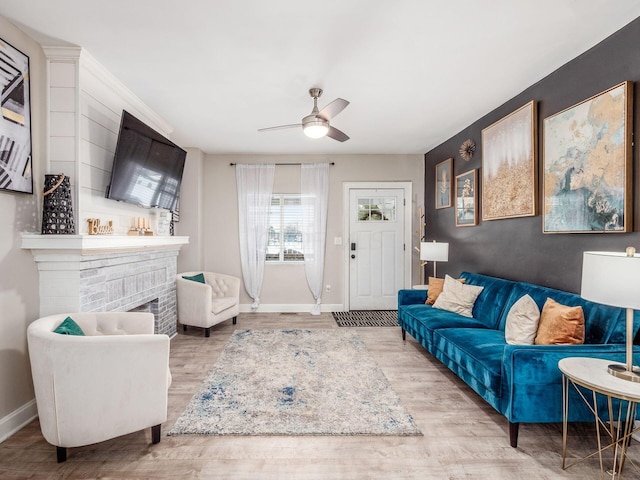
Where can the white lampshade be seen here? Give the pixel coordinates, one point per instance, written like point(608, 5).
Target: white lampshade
point(611, 278)
point(434, 251)
point(316, 128)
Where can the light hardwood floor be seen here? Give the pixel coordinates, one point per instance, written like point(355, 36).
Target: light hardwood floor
point(463, 438)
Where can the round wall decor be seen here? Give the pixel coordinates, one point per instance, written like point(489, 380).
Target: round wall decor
point(467, 149)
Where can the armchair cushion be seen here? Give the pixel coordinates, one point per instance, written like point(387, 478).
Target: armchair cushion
point(69, 327)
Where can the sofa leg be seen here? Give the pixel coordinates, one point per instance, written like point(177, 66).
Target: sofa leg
point(155, 434)
point(404, 335)
point(513, 434)
point(207, 332)
point(184, 328)
point(235, 320)
point(61, 453)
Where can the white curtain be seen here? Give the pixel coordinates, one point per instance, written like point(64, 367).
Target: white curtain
point(314, 180)
point(255, 187)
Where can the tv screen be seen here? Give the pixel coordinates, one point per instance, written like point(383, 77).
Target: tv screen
point(147, 167)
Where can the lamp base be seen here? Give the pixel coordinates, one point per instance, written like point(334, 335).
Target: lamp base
point(620, 371)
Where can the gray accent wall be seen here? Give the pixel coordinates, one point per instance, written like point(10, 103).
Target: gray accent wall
point(516, 248)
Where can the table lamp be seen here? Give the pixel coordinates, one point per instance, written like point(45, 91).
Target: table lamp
point(613, 278)
point(434, 252)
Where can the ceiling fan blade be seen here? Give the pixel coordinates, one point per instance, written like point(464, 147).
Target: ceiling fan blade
point(333, 109)
point(337, 134)
point(280, 127)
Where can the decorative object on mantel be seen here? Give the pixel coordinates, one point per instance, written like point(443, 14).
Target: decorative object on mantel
point(96, 229)
point(140, 226)
point(57, 211)
point(467, 149)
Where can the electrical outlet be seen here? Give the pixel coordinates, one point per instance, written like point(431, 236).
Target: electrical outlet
point(328, 288)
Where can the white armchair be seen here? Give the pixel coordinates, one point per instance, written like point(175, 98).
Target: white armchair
point(207, 304)
point(92, 388)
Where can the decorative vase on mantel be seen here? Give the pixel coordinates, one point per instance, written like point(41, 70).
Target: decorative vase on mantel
point(57, 210)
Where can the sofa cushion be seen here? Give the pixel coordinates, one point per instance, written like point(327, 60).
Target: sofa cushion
point(560, 324)
point(522, 322)
point(422, 320)
point(491, 302)
point(478, 352)
point(457, 297)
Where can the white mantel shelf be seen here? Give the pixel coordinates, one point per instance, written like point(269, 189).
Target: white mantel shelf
point(96, 244)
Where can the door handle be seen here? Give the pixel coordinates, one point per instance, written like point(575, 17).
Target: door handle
point(353, 246)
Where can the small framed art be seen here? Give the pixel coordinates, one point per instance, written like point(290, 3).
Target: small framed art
point(467, 199)
point(443, 183)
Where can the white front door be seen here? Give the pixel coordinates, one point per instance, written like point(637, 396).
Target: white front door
point(376, 248)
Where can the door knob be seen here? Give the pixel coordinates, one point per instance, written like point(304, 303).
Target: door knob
point(353, 256)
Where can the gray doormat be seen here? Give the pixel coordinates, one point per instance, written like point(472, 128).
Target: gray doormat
point(367, 318)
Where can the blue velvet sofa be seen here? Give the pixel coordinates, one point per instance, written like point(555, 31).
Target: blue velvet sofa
point(522, 382)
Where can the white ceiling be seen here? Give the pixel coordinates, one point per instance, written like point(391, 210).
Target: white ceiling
point(415, 71)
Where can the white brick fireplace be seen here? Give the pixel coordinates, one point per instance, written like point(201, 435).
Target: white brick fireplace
point(83, 273)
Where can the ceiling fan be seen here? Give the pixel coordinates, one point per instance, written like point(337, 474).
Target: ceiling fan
point(316, 124)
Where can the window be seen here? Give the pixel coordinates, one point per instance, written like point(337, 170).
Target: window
point(376, 209)
point(285, 238)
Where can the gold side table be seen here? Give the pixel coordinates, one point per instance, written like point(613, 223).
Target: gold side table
point(592, 374)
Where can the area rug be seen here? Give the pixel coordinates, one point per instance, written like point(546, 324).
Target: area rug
point(295, 382)
point(367, 318)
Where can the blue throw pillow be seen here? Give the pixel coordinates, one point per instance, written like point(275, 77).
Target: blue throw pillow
point(195, 278)
point(69, 327)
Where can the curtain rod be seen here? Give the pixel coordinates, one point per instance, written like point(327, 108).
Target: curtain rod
point(277, 164)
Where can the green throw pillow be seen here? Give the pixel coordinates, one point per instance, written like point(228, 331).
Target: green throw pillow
point(195, 278)
point(69, 327)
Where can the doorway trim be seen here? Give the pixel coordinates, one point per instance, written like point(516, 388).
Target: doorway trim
point(408, 244)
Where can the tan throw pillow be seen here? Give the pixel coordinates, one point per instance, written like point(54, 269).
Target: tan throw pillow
point(457, 297)
point(435, 289)
point(522, 322)
point(560, 324)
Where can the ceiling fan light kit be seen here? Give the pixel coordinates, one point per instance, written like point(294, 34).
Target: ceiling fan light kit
point(316, 124)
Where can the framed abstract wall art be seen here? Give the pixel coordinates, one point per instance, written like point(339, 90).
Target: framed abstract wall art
point(15, 121)
point(467, 199)
point(443, 183)
point(510, 166)
point(587, 165)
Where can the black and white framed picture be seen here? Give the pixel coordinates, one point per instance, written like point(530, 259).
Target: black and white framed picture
point(15, 121)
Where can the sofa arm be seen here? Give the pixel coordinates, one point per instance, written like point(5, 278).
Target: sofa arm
point(532, 381)
point(411, 297)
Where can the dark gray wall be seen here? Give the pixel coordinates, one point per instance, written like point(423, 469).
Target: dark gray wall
point(516, 248)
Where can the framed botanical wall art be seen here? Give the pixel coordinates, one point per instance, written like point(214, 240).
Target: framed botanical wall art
point(443, 183)
point(15, 121)
point(510, 166)
point(587, 165)
point(467, 199)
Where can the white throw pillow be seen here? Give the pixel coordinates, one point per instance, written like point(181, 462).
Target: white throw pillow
point(522, 322)
point(457, 297)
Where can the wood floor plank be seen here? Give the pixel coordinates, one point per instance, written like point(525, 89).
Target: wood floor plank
point(464, 438)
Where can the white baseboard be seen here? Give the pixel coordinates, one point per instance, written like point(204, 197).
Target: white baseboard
point(17, 419)
point(291, 308)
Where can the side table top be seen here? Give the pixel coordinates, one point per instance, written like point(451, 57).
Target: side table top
point(593, 374)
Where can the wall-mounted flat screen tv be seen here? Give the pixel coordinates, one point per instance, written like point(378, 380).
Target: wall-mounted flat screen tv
point(147, 167)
